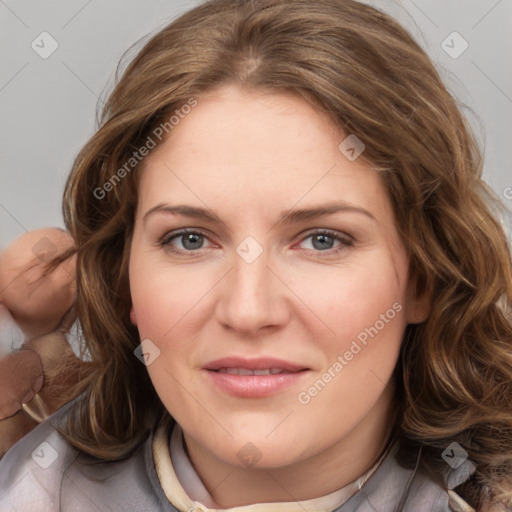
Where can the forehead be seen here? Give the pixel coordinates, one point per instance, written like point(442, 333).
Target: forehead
point(240, 148)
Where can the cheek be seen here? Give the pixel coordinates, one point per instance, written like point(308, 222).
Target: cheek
point(164, 299)
point(347, 300)
point(166, 305)
point(163, 303)
point(366, 312)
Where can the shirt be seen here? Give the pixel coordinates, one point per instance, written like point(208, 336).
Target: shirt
point(43, 472)
point(183, 487)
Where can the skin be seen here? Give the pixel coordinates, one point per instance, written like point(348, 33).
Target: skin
point(21, 376)
point(249, 156)
point(38, 305)
point(25, 291)
point(13, 429)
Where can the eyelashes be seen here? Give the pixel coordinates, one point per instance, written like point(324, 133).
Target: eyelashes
point(193, 237)
point(322, 234)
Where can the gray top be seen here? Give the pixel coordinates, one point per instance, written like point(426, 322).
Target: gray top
point(43, 473)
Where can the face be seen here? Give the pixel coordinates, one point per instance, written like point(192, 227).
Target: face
point(274, 287)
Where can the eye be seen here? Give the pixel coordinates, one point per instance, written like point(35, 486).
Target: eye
point(324, 241)
point(190, 241)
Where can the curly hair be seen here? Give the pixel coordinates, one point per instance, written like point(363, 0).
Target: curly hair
point(358, 65)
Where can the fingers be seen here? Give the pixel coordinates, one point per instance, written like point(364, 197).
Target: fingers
point(21, 378)
point(37, 301)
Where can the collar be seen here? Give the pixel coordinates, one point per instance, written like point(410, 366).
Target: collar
point(184, 489)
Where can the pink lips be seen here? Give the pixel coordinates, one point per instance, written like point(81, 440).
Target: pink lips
point(253, 378)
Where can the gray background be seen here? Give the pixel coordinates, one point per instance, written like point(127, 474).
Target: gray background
point(48, 106)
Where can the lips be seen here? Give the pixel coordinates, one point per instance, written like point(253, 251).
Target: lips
point(247, 371)
point(261, 363)
point(253, 378)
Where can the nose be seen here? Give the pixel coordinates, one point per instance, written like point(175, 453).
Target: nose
point(252, 298)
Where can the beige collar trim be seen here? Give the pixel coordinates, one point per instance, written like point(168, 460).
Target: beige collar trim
point(188, 492)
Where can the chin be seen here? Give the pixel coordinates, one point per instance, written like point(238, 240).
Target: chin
point(263, 451)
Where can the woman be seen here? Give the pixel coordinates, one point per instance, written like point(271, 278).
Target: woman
point(293, 291)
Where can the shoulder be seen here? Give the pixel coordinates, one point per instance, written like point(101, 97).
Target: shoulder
point(30, 470)
point(44, 472)
point(410, 489)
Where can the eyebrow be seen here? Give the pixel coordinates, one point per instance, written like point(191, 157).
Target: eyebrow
point(285, 218)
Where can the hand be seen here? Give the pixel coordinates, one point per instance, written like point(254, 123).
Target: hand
point(41, 304)
point(21, 378)
point(36, 299)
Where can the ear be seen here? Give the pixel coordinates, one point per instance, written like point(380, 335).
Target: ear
point(419, 303)
point(133, 318)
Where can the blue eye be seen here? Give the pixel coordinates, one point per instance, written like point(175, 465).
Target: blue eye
point(192, 241)
point(323, 241)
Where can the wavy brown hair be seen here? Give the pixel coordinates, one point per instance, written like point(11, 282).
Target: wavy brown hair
point(454, 375)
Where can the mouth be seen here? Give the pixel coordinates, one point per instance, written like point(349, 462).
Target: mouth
point(269, 365)
point(248, 371)
point(253, 378)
